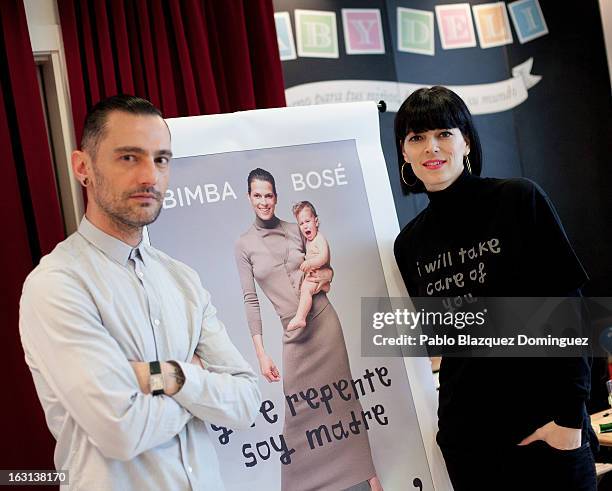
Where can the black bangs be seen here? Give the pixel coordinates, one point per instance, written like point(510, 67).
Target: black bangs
point(430, 109)
point(431, 114)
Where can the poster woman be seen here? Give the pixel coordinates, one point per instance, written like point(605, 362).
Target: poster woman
point(271, 252)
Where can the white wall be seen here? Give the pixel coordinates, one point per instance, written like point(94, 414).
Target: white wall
point(41, 12)
point(46, 39)
point(605, 6)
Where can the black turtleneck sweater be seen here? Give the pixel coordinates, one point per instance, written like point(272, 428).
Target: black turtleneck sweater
point(510, 233)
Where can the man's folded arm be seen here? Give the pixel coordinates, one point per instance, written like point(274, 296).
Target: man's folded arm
point(226, 391)
point(65, 339)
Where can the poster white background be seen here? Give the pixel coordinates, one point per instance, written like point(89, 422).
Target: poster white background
point(216, 154)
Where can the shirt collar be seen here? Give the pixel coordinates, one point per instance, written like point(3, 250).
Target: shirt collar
point(114, 248)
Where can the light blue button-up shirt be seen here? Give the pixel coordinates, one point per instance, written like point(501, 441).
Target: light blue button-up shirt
point(95, 304)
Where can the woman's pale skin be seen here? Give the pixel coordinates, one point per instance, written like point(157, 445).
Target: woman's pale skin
point(436, 157)
point(263, 200)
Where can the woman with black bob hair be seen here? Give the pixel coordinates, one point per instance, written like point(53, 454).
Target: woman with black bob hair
point(504, 423)
point(428, 109)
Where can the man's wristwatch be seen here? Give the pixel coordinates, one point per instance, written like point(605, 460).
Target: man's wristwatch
point(156, 379)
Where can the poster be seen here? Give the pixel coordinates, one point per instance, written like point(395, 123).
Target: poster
point(331, 156)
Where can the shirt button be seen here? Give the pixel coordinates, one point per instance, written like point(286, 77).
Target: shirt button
point(190, 469)
point(156, 322)
point(140, 275)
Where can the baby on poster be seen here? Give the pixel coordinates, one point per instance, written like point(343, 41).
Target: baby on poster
point(317, 256)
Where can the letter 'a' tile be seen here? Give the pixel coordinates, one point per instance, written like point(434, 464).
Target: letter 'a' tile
point(284, 36)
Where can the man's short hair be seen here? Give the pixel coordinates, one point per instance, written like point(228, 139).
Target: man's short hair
point(298, 207)
point(95, 121)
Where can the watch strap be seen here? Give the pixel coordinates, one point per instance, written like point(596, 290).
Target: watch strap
point(154, 367)
point(155, 373)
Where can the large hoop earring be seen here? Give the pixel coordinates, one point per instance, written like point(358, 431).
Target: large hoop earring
point(403, 179)
point(467, 164)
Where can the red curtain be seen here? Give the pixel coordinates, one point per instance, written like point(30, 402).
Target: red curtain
point(188, 57)
point(32, 217)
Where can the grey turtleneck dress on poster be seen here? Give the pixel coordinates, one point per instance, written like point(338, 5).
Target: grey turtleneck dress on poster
point(314, 356)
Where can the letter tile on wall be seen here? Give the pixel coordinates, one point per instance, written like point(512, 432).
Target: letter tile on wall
point(363, 31)
point(415, 31)
point(492, 24)
point(317, 34)
point(284, 36)
point(528, 20)
point(455, 26)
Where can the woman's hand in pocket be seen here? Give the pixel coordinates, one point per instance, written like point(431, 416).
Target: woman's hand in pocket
point(556, 436)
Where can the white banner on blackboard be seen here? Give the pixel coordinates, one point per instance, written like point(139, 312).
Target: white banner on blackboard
point(480, 98)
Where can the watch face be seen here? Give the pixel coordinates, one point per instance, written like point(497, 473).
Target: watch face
point(156, 382)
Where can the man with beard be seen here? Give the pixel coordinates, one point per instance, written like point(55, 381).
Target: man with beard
point(125, 349)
